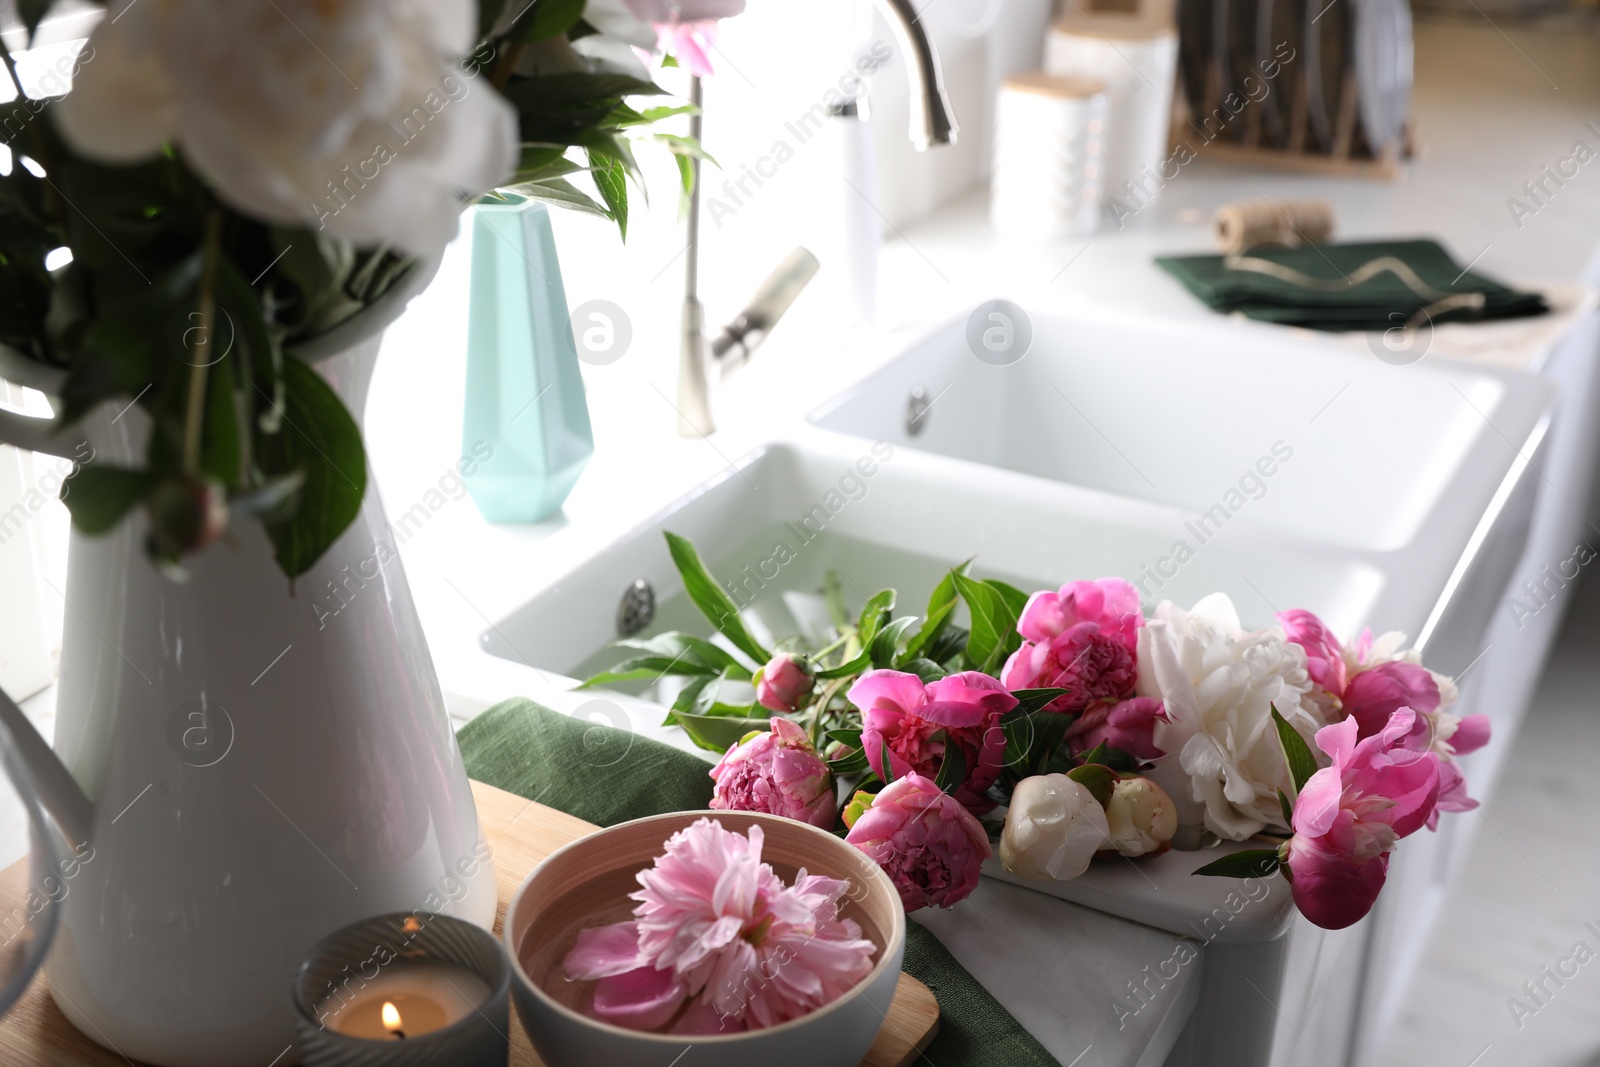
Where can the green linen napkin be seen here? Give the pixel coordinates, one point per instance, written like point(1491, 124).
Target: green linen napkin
point(1312, 286)
point(606, 776)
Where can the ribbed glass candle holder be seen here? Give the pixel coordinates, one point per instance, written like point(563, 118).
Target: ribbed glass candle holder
point(404, 990)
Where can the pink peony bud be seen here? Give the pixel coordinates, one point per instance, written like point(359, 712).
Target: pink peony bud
point(1350, 814)
point(784, 681)
point(1127, 724)
point(931, 847)
point(1330, 888)
point(777, 773)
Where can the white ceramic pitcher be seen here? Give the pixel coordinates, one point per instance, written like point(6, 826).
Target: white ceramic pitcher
point(252, 769)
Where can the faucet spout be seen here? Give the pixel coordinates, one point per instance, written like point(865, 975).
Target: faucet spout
point(932, 122)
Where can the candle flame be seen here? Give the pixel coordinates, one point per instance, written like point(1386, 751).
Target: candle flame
point(391, 1017)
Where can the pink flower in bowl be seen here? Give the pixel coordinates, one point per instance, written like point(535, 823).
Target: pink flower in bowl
point(930, 846)
point(918, 722)
point(1083, 638)
point(778, 773)
point(1350, 814)
point(720, 943)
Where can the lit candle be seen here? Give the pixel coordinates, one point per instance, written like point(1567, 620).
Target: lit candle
point(404, 989)
point(406, 1000)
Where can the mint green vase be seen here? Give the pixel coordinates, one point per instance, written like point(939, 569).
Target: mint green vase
point(525, 394)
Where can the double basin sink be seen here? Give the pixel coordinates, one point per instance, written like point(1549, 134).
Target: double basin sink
point(1281, 469)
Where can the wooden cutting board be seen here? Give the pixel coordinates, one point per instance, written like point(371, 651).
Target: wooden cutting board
point(35, 1033)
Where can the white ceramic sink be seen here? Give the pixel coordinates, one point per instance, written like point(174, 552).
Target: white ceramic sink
point(1352, 450)
point(1374, 495)
point(915, 515)
point(912, 519)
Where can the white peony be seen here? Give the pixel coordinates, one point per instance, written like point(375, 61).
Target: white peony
point(345, 115)
point(1053, 829)
point(1224, 763)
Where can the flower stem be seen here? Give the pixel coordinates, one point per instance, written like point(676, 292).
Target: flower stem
point(194, 420)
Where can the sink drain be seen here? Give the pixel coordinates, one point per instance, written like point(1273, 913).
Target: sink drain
point(636, 609)
point(917, 406)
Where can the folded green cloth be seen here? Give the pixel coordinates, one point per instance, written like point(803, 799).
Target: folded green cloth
point(1312, 286)
point(606, 776)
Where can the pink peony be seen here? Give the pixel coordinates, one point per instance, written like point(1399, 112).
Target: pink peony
point(1350, 814)
point(1452, 736)
point(917, 722)
point(1128, 724)
point(930, 845)
point(778, 773)
point(1374, 694)
point(784, 681)
point(1084, 638)
point(719, 943)
point(1324, 655)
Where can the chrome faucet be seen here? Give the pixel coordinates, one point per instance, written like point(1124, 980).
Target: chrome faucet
point(701, 364)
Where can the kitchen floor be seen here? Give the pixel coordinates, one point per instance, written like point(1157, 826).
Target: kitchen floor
point(1526, 908)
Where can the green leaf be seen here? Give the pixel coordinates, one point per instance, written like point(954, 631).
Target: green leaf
point(539, 162)
point(848, 667)
point(319, 438)
point(709, 597)
point(1014, 598)
point(929, 630)
point(873, 615)
point(1115, 758)
point(638, 668)
point(1098, 779)
point(1251, 863)
point(684, 147)
point(1296, 753)
point(952, 768)
point(1288, 809)
point(1032, 700)
point(698, 696)
point(560, 192)
point(925, 669)
point(611, 178)
point(885, 645)
point(948, 647)
point(544, 19)
point(716, 733)
point(135, 343)
point(666, 111)
point(686, 648)
point(850, 763)
point(993, 623)
point(887, 774)
point(99, 496)
point(1031, 739)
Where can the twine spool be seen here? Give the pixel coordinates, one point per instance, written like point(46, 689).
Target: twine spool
point(1289, 223)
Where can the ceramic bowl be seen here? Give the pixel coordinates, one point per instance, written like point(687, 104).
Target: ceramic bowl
point(587, 883)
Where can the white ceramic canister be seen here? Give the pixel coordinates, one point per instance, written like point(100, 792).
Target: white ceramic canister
point(1048, 156)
